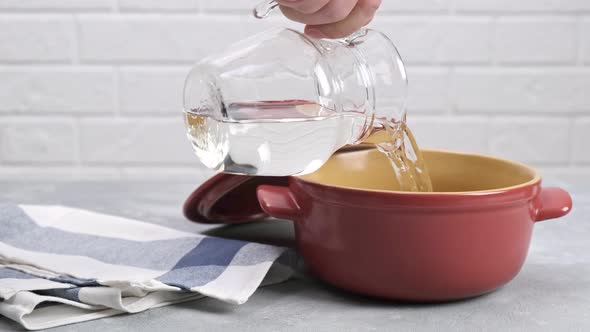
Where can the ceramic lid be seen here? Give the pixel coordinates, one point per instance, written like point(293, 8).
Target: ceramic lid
point(228, 199)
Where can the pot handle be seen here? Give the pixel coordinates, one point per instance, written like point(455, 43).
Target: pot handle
point(555, 203)
point(278, 202)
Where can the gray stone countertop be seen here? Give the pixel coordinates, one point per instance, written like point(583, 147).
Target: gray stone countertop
point(551, 293)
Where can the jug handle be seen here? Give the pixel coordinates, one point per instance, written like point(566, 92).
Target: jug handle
point(264, 8)
point(554, 203)
point(278, 202)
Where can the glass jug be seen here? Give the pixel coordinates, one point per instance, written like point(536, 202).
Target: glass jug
point(280, 103)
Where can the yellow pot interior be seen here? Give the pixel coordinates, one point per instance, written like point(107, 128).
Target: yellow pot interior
point(450, 171)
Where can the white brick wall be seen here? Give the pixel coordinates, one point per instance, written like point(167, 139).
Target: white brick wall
point(440, 39)
point(91, 89)
point(515, 91)
point(49, 90)
point(538, 140)
point(36, 39)
point(151, 89)
point(522, 40)
point(38, 140)
point(134, 141)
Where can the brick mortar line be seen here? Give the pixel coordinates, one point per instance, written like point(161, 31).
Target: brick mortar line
point(185, 65)
point(93, 168)
point(52, 13)
point(117, 9)
point(118, 170)
point(200, 6)
point(77, 145)
point(569, 168)
point(435, 64)
point(533, 14)
point(491, 119)
point(170, 11)
point(139, 164)
point(37, 163)
point(1, 148)
point(488, 133)
point(55, 114)
point(494, 42)
point(528, 114)
point(117, 91)
point(173, 65)
point(570, 139)
point(35, 115)
point(540, 64)
point(550, 167)
point(426, 14)
point(580, 41)
point(459, 117)
point(197, 165)
point(36, 167)
point(28, 63)
point(76, 41)
point(140, 62)
point(65, 66)
point(451, 109)
point(452, 7)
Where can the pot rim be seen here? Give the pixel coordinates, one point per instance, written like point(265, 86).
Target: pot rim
point(506, 195)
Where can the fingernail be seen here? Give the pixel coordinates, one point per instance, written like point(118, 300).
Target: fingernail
point(315, 33)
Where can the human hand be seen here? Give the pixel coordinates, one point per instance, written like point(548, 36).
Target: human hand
point(330, 18)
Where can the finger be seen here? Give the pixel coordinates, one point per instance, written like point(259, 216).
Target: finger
point(334, 11)
point(361, 15)
point(303, 6)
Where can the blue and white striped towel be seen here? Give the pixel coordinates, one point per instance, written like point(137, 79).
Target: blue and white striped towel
point(94, 265)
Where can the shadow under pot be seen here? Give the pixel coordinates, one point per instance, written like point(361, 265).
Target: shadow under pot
point(467, 238)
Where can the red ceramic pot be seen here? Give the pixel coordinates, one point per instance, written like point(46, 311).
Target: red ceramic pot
point(467, 238)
